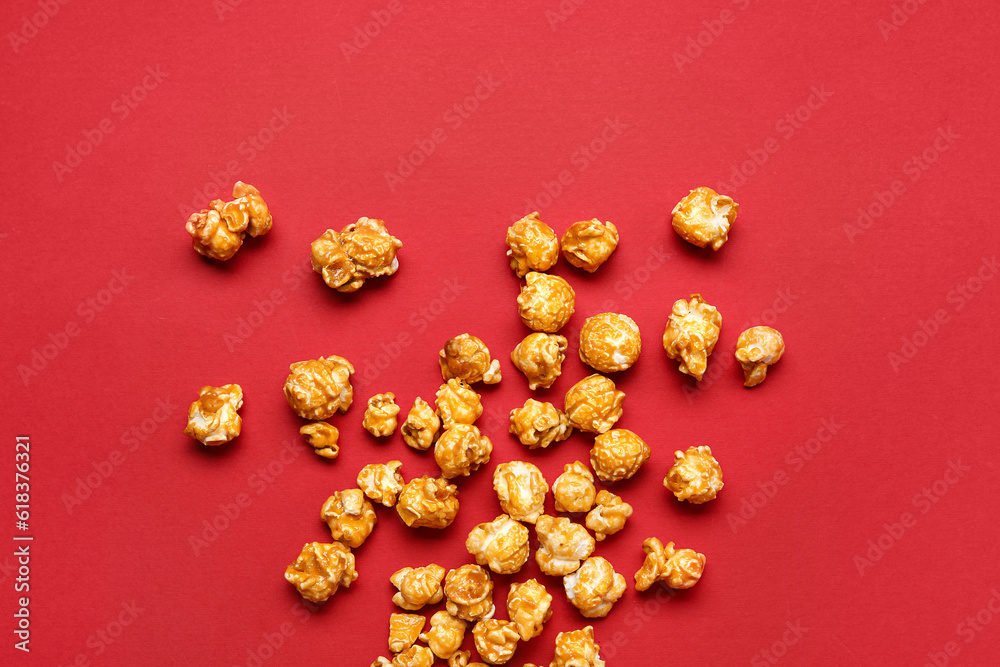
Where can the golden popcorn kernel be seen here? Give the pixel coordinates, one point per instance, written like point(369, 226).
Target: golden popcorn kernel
point(458, 403)
point(594, 588)
point(417, 586)
point(562, 545)
point(382, 482)
point(445, 636)
point(574, 489)
point(350, 517)
point(589, 243)
point(594, 404)
point(321, 569)
point(461, 659)
point(467, 358)
point(421, 427)
point(501, 544)
point(360, 251)
point(213, 418)
point(680, 568)
point(695, 476)
point(610, 342)
point(691, 334)
point(469, 593)
point(577, 649)
point(404, 629)
point(319, 388)
point(426, 502)
point(608, 516)
point(460, 450)
point(703, 218)
point(380, 416)
point(533, 245)
point(218, 231)
point(546, 302)
point(618, 454)
point(521, 489)
point(496, 640)
point(529, 605)
point(322, 437)
point(539, 424)
point(539, 357)
point(756, 349)
point(415, 656)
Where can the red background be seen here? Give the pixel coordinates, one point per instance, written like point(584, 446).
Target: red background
point(855, 294)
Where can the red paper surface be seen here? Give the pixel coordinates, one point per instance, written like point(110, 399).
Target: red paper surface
point(858, 521)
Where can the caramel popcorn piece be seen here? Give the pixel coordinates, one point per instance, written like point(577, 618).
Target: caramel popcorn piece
point(350, 517)
point(594, 404)
point(445, 636)
point(618, 455)
point(562, 545)
point(501, 545)
point(695, 476)
point(415, 656)
point(321, 569)
point(680, 568)
point(426, 502)
point(460, 450)
point(496, 640)
point(521, 489)
point(691, 334)
point(539, 357)
point(322, 437)
point(417, 586)
point(594, 588)
point(533, 245)
point(589, 243)
point(360, 251)
point(756, 349)
point(610, 342)
point(461, 659)
point(529, 605)
point(546, 302)
point(703, 218)
point(458, 403)
point(382, 482)
point(421, 427)
point(404, 630)
point(381, 662)
point(608, 516)
point(380, 416)
point(469, 593)
point(213, 418)
point(467, 358)
point(574, 489)
point(319, 388)
point(218, 231)
point(539, 424)
point(577, 649)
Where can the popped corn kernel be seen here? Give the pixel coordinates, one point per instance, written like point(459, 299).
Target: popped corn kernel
point(618, 455)
point(322, 437)
point(218, 231)
point(695, 476)
point(529, 605)
point(532, 245)
point(350, 517)
point(426, 502)
point(469, 593)
point(546, 302)
point(382, 482)
point(703, 218)
point(594, 588)
point(562, 545)
point(319, 388)
point(421, 427)
point(380, 416)
point(594, 404)
point(756, 349)
point(539, 357)
point(460, 450)
point(415, 656)
point(467, 358)
point(610, 342)
point(360, 251)
point(321, 569)
point(461, 659)
point(458, 403)
point(496, 640)
point(691, 334)
point(574, 489)
point(501, 545)
point(213, 418)
point(680, 568)
point(404, 630)
point(589, 243)
point(445, 636)
point(577, 649)
point(521, 489)
point(608, 516)
point(539, 424)
point(417, 586)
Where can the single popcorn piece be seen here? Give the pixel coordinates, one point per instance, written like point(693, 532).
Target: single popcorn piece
point(594, 404)
point(529, 605)
point(594, 588)
point(458, 403)
point(218, 231)
point(501, 545)
point(350, 517)
point(691, 334)
point(467, 358)
point(319, 388)
point(589, 243)
point(680, 568)
point(404, 629)
point(382, 482)
point(445, 636)
point(426, 502)
point(380, 416)
point(539, 357)
point(496, 640)
point(703, 218)
point(321, 569)
point(695, 476)
point(360, 251)
point(460, 450)
point(756, 349)
point(539, 424)
point(415, 656)
point(562, 545)
point(533, 245)
point(521, 489)
point(618, 454)
point(469, 593)
point(322, 437)
point(546, 302)
point(574, 489)
point(461, 659)
point(608, 516)
point(213, 418)
point(577, 649)
point(610, 342)
point(421, 427)
point(417, 586)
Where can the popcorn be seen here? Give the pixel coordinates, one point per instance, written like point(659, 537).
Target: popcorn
point(467, 358)
point(691, 334)
point(703, 218)
point(404, 630)
point(322, 438)
point(756, 349)
point(539, 424)
point(577, 649)
point(319, 388)
point(502, 544)
point(415, 656)
point(533, 246)
point(426, 502)
point(421, 427)
point(574, 489)
point(618, 455)
point(594, 588)
point(589, 243)
point(218, 231)
point(496, 640)
point(562, 545)
point(610, 342)
point(529, 605)
point(521, 489)
point(458, 403)
point(445, 636)
point(695, 476)
point(680, 568)
point(608, 516)
point(321, 569)
point(540, 356)
point(594, 404)
point(380, 417)
point(417, 586)
point(546, 302)
point(461, 659)
point(360, 251)
point(469, 593)
point(460, 450)
point(350, 517)
point(382, 482)
point(213, 418)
